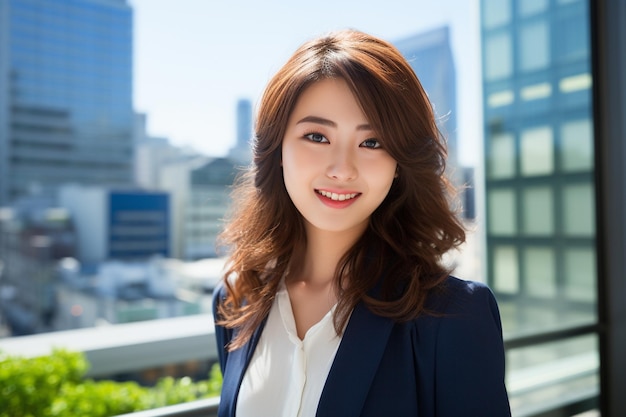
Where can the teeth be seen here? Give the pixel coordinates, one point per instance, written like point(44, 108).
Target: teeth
point(337, 197)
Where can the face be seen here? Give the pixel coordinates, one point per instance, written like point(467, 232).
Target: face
point(335, 170)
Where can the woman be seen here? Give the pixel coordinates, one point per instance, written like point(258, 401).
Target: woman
point(336, 301)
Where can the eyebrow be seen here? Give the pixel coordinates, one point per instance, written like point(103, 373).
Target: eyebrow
point(328, 122)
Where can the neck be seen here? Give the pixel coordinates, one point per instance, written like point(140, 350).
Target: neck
point(323, 251)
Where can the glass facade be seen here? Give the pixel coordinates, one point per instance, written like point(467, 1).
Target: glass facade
point(541, 241)
point(68, 99)
point(430, 55)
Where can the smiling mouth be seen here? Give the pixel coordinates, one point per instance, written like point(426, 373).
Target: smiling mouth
point(336, 196)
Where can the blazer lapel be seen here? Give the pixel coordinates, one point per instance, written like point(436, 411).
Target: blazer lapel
point(355, 364)
point(236, 366)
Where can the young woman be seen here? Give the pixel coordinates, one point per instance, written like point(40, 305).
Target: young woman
point(336, 301)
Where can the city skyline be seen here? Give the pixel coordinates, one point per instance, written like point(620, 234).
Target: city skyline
point(194, 60)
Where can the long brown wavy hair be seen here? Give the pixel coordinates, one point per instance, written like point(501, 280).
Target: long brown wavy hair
point(400, 253)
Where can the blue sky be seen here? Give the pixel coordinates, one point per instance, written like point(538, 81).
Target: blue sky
point(195, 58)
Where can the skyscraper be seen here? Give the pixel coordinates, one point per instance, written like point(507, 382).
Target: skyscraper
point(540, 198)
point(244, 122)
point(539, 149)
point(65, 95)
point(430, 56)
point(242, 151)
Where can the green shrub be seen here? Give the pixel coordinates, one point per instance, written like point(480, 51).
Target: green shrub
point(101, 399)
point(54, 386)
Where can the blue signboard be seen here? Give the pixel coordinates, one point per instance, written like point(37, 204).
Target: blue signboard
point(138, 224)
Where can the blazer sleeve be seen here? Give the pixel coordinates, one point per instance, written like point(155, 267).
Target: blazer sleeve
point(470, 361)
point(223, 335)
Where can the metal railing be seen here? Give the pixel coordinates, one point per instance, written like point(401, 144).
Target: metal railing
point(136, 346)
point(199, 408)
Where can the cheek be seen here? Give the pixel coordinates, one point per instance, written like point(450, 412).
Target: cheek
point(293, 168)
point(297, 161)
point(382, 173)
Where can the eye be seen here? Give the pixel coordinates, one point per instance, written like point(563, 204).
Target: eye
point(316, 137)
point(371, 143)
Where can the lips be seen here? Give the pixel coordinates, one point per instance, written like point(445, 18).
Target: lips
point(337, 196)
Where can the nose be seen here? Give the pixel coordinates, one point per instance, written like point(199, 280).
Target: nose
point(342, 166)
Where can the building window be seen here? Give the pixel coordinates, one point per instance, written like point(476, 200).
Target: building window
point(496, 13)
point(538, 211)
point(502, 156)
point(575, 83)
point(505, 269)
point(578, 210)
point(534, 48)
point(540, 272)
point(502, 212)
point(580, 267)
point(536, 91)
point(561, 369)
point(498, 56)
point(537, 156)
point(501, 98)
point(577, 145)
point(531, 7)
point(573, 29)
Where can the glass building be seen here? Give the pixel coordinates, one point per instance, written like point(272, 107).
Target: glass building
point(541, 222)
point(66, 111)
point(430, 56)
point(241, 153)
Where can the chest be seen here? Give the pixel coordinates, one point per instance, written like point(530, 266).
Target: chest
point(309, 305)
point(286, 374)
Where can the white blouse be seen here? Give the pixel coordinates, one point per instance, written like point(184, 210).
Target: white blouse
point(286, 375)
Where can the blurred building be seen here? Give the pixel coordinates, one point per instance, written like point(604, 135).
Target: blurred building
point(123, 291)
point(242, 151)
point(116, 224)
point(430, 55)
point(539, 151)
point(152, 153)
point(199, 186)
point(65, 95)
point(200, 190)
point(32, 240)
point(540, 194)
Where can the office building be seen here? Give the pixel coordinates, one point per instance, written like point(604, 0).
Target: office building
point(65, 95)
point(120, 292)
point(540, 195)
point(430, 56)
point(539, 151)
point(118, 224)
point(242, 151)
point(152, 153)
point(200, 190)
point(33, 238)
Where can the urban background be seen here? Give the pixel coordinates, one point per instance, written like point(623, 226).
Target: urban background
point(115, 168)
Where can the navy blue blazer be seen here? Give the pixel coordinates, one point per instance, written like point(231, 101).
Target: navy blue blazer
point(450, 364)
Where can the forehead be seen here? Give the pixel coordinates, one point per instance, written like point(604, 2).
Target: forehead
point(330, 98)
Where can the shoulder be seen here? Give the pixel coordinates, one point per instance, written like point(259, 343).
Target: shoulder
point(464, 313)
point(223, 336)
point(464, 349)
point(454, 286)
point(219, 295)
point(456, 296)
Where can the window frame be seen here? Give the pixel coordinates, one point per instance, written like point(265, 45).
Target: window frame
point(608, 52)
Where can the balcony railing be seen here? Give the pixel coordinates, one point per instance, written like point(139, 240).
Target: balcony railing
point(137, 346)
point(200, 408)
